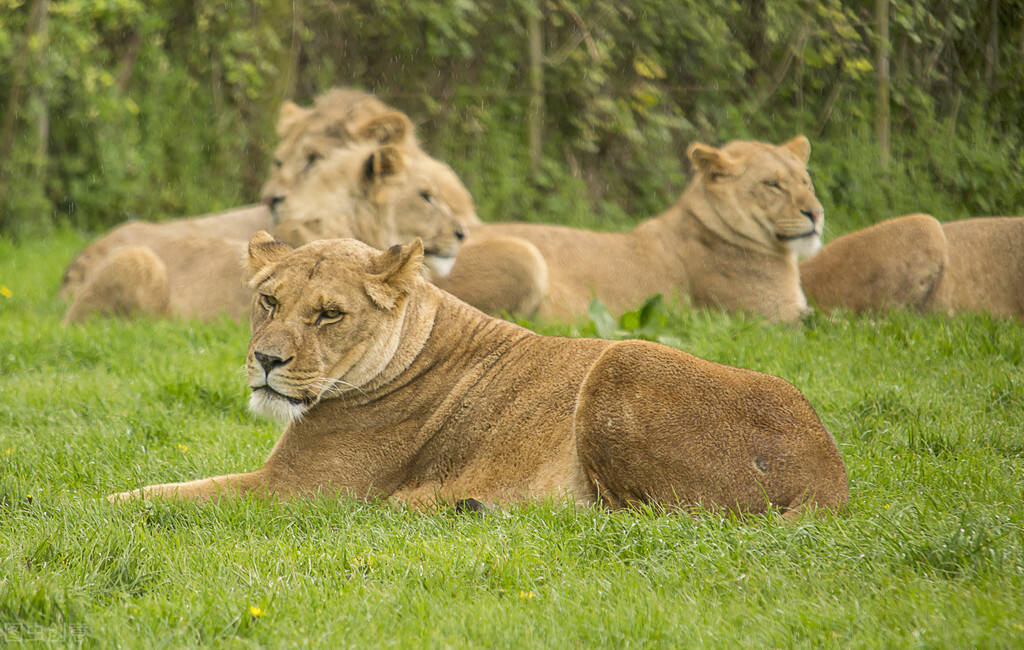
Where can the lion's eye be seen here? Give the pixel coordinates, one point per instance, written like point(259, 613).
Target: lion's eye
point(427, 196)
point(278, 164)
point(775, 185)
point(268, 302)
point(330, 316)
point(311, 160)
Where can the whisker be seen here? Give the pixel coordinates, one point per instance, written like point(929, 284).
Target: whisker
point(323, 384)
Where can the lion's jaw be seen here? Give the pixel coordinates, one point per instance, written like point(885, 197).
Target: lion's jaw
point(806, 245)
point(439, 265)
point(327, 320)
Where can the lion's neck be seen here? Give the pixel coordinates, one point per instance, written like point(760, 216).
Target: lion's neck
point(696, 215)
point(420, 314)
point(423, 343)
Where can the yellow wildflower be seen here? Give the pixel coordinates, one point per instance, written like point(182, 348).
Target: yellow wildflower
point(526, 595)
point(256, 612)
point(4, 291)
point(182, 448)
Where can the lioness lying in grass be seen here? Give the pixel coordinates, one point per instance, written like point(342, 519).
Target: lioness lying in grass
point(393, 389)
point(973, 265)
point(730, 241)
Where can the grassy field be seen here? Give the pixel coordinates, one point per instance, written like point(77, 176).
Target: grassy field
point(928, 413)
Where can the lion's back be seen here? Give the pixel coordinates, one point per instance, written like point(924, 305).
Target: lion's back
point(986, 267)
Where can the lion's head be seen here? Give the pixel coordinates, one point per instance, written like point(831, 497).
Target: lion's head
point(326, 319)
point(382, 195)
point(759, 195)
point(338, 118)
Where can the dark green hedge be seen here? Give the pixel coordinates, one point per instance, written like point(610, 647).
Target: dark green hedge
point(122, 108)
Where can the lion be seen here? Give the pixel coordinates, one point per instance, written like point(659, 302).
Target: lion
point(986, 268)
point(239, 223)
point(338, 118)
point(393, 389)
point(382, 194)
point(730, 241)
point(915, 262)
point(894, 264)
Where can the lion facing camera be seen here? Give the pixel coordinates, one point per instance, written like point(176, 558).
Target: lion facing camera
point(394, 389)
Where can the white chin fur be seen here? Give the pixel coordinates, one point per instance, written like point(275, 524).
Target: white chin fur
point(275, 408)
point(441, 266)
point(805, 246)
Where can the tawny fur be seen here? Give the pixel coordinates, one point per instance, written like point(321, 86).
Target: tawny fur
point(239, 224)
point(730, 241)
point(986, 268)
point(499, 275)
point(395, 390)
point(974, 265)
point(895, 264)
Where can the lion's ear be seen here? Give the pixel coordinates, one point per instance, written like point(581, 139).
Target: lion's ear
point(290, 114)
point(382, 164)
point(265, 250)
point(394, 274)
point(709, 161)
point(390, 128)
point(801, 147)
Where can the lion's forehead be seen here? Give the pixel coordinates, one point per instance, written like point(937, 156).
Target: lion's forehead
point(326, 260)
point(775, 160)
point(312, 286)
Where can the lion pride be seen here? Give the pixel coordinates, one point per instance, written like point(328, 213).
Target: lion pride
point(393, 389)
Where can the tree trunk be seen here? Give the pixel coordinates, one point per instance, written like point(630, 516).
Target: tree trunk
point(882, 125)
point(992, 46)
point(535, 112)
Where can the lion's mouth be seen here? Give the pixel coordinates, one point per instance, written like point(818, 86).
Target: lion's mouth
point(809, 233)
point(268, 392)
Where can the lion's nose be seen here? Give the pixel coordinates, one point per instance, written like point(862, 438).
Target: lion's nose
point(274, 201)
point(270, 361)
point(814, 214)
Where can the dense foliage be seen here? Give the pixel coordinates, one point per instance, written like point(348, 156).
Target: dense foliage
point(119, 108)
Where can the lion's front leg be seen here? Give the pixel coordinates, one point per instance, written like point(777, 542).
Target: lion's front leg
point(206, 489)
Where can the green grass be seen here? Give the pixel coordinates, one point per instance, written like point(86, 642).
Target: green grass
point(928, 413)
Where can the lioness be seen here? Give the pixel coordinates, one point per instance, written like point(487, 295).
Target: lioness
point(393, 389)
point(973, 265)
point(384, 197)
point(730, 241)
point(893, 264)
point(986, 267)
